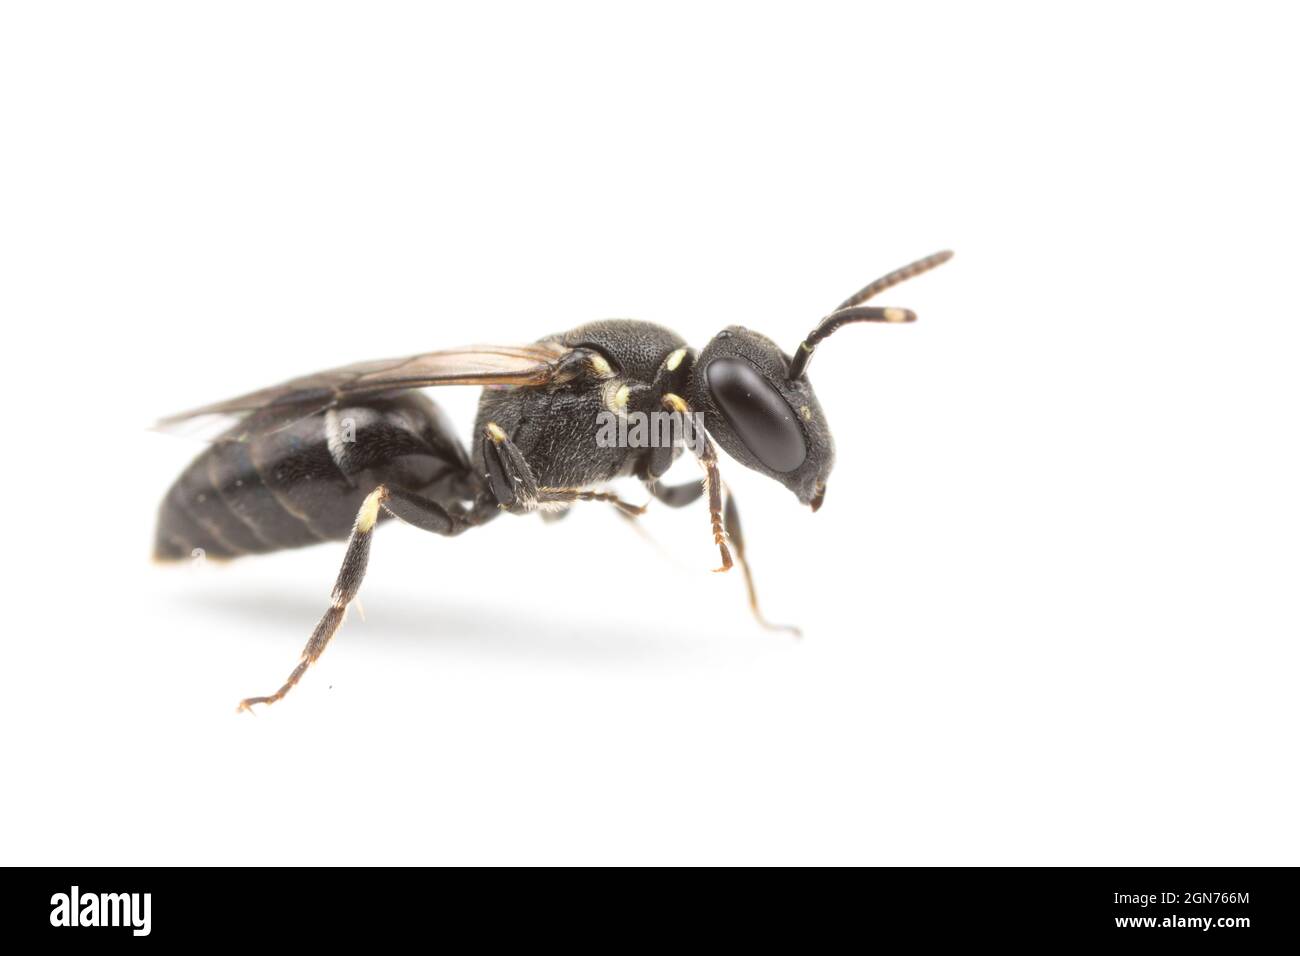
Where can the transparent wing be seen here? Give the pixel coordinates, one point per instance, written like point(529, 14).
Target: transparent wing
point(270, 409)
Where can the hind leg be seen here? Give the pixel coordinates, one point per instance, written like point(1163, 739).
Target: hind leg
point(414, 509)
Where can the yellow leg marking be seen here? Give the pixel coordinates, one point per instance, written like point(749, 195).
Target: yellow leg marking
point(369, 512)
point(675, 403)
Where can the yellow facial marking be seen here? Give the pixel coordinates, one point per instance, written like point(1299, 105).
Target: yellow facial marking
point(599, 366)
point(495, 433)
point(675, 360)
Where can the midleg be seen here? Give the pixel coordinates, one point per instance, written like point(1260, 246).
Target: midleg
point(515, 488)
point(509, 476)
point(563, 495)
point(676, 496)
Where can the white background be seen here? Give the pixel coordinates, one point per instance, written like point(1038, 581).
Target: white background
point(1050, 603)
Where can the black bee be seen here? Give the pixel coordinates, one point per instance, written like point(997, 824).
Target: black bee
point(327, 456)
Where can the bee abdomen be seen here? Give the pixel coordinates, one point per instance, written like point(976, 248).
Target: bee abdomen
point(220, 507)
point(303, 484)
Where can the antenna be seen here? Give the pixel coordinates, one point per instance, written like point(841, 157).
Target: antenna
point(851, 309)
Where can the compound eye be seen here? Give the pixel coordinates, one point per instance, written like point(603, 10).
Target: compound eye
point(757, 413)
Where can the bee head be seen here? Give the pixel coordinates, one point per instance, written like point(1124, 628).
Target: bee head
point(761, 416)
point(759, 405)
